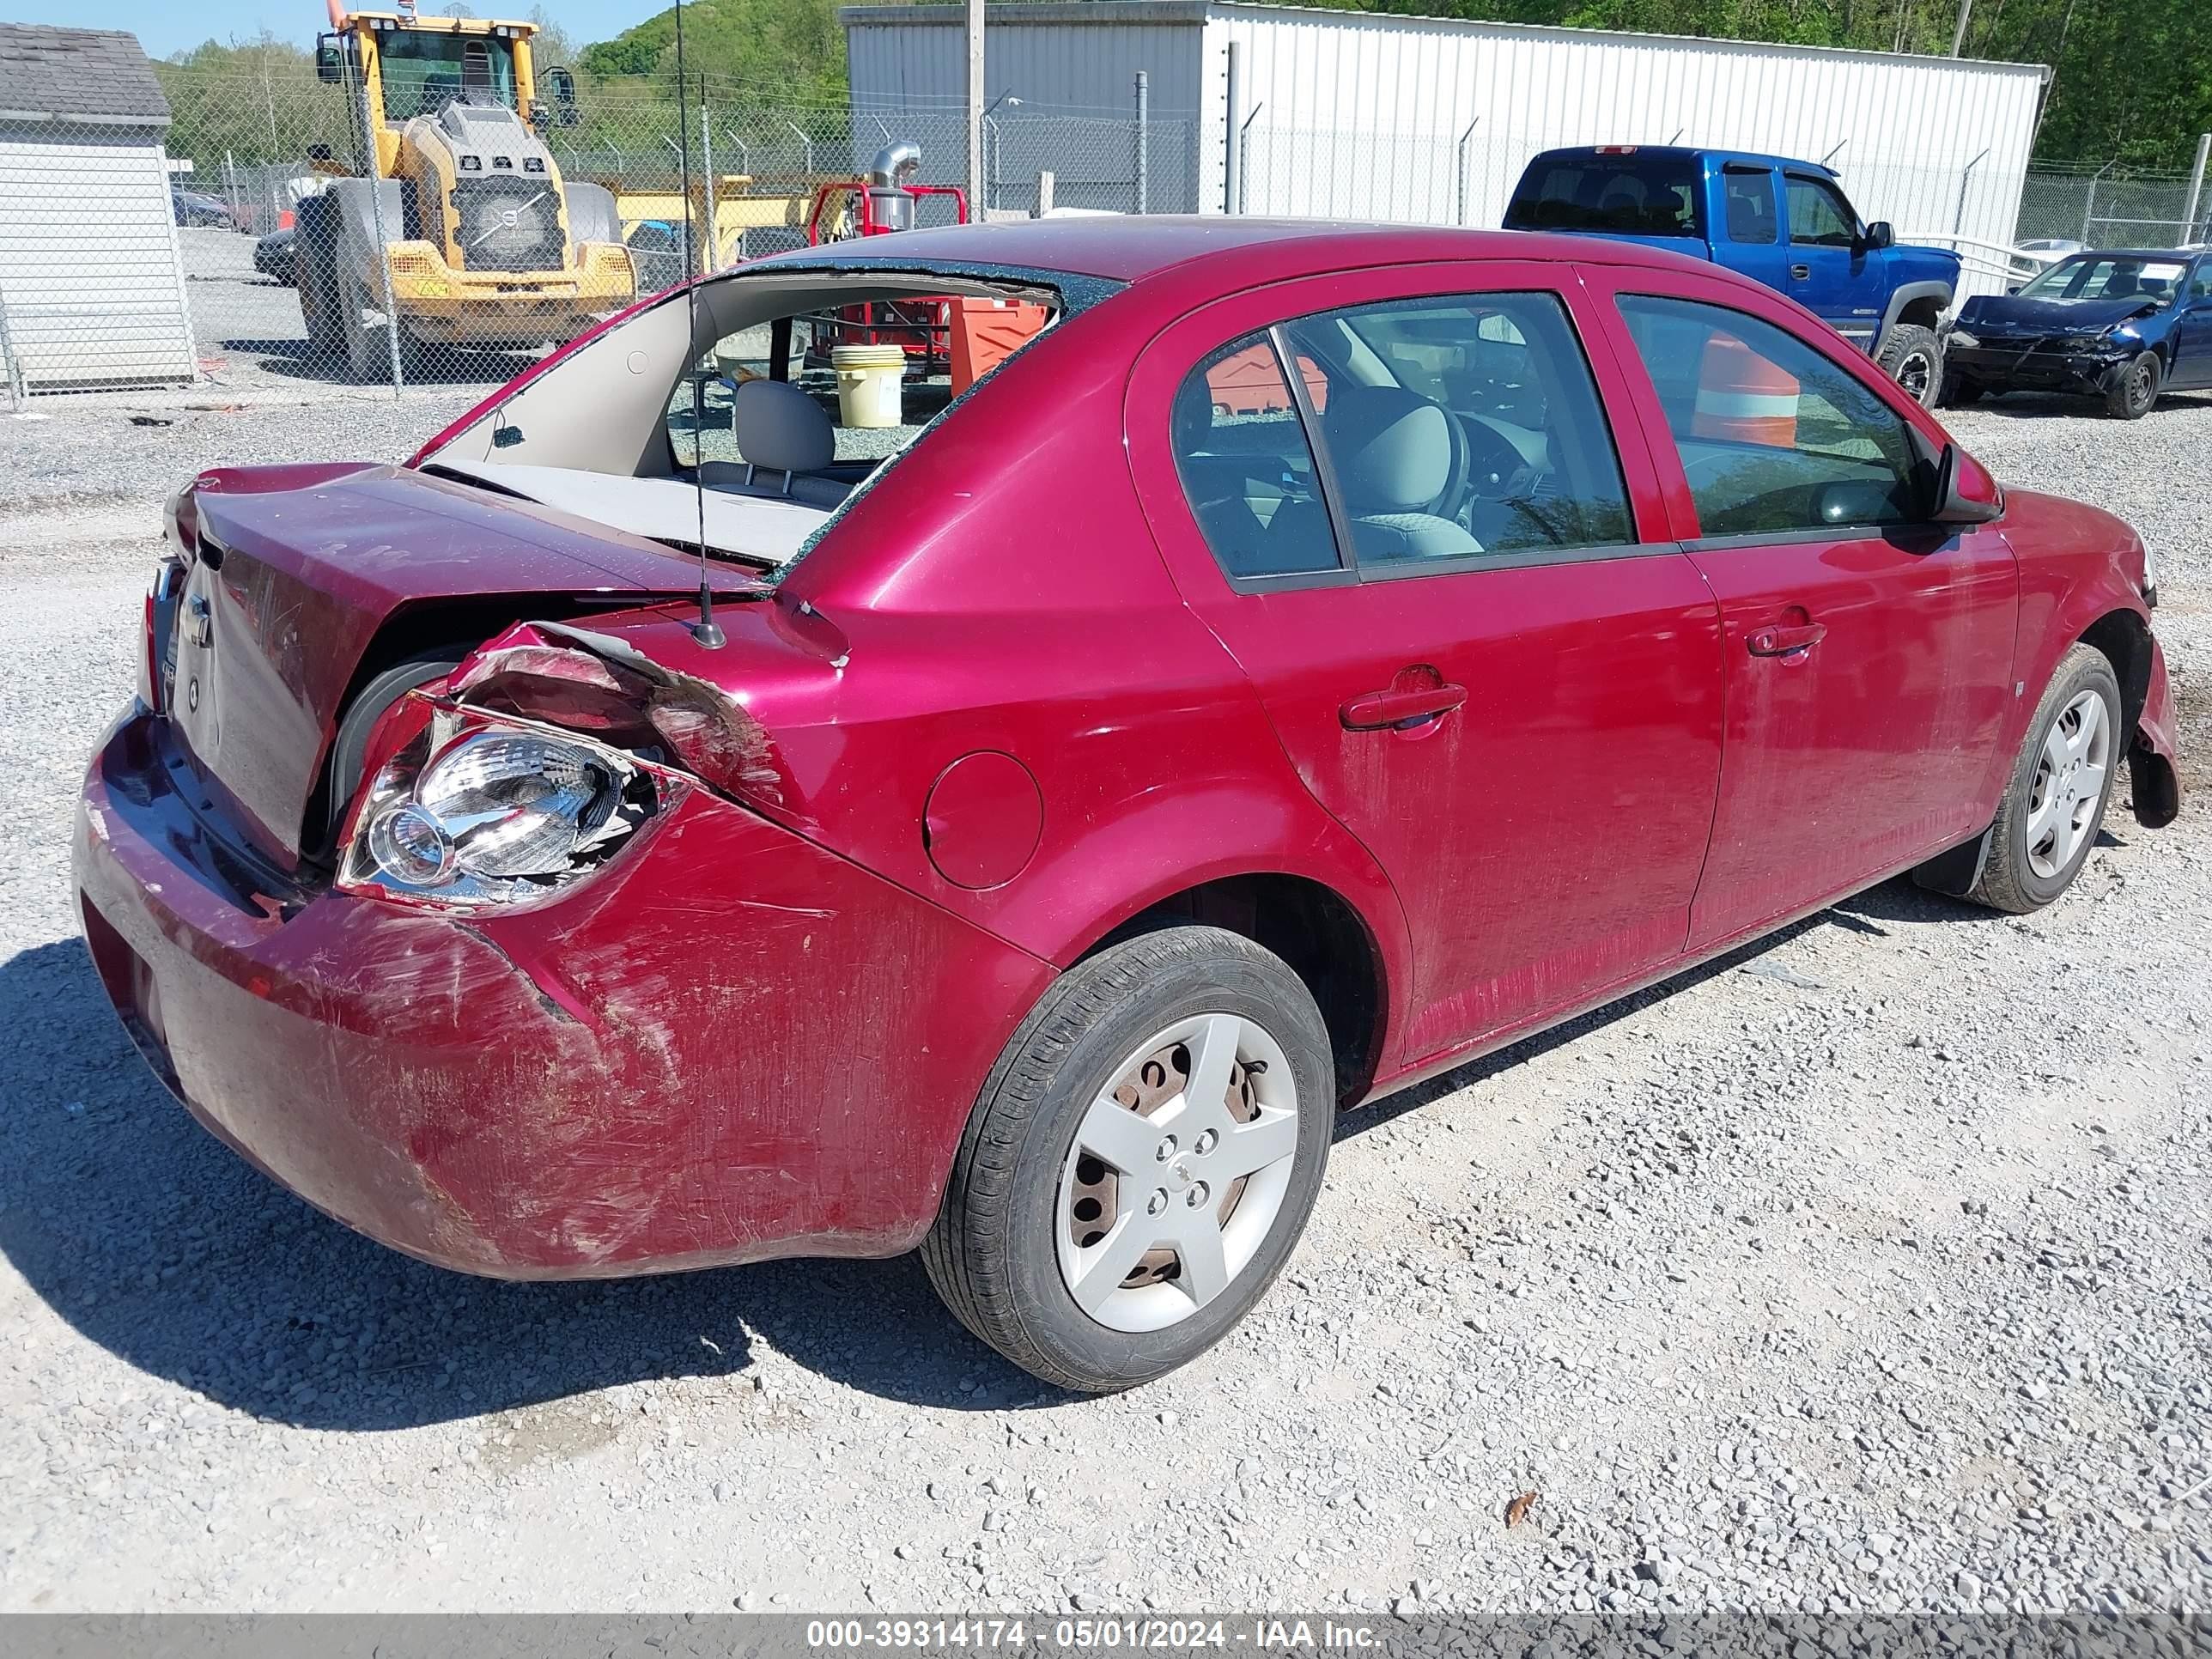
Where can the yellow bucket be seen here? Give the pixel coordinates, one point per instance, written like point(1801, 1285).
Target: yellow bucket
point(869, 384)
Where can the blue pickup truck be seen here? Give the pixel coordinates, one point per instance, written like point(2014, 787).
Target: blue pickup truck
point(1787, 224)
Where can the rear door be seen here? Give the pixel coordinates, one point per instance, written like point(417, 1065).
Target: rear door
point(1412, 525)
point(1751, 219)
point(1832, 273)
point(1867, 653)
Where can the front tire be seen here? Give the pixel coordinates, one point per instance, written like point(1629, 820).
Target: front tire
point(1141, 1163)
point(1913, 356)
point(2135, 392)
point(1960, 392)
point(2054, 802)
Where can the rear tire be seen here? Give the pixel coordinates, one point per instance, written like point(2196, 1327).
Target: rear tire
point(2135, 393)
point(1059, 1187)
point(1913, 357)
point(314, 273)
point(2055, 800)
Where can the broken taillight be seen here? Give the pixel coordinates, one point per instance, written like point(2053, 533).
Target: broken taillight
point(157, 666)
point(471, 811)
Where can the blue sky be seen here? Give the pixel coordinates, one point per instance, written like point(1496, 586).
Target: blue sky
point(164, 27)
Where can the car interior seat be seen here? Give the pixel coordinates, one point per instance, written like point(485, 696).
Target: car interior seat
point(785, 437)
point(1394, 459)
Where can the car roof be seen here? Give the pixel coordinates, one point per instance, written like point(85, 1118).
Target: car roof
point(2181, 253)
point(1690, 153)
point(1132, 249)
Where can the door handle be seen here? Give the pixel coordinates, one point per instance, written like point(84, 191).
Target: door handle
point(1801, 273)
point(1786, 642)
point(1378, 711)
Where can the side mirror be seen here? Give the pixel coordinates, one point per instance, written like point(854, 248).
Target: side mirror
point(330, 57)
point(561, 83)
point(1960, 489)
point(1880, 234)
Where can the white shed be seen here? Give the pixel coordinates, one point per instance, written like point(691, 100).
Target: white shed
point(92, 291)
point(1347, 114)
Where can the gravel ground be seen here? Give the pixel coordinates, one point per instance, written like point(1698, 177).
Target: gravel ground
point(1865, 1269)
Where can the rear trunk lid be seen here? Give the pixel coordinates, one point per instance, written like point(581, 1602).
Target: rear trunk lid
point(298, 569)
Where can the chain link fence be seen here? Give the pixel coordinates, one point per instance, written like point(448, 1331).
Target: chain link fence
point(2105, 207)
point(241, 246)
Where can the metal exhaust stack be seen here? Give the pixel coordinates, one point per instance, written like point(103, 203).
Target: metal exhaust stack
point(895, 166)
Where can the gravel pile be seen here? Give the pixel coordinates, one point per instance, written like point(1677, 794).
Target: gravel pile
point(1865, 1270)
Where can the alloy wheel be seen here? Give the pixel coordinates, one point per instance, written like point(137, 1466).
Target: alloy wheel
point(2069, 784)
point(1178, 1171)
point(1916, 373)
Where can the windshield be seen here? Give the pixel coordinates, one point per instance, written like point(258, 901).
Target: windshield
point(424, 73)
point(2106, 276)
point(1631, 194)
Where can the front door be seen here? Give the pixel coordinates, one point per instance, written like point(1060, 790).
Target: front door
point(2192, 351)
point(1867, 653)
point(1829, 260)
point(1396, 498)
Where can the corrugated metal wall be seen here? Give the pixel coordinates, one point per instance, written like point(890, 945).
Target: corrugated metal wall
point(91, 286)
point(1073, 68)
point(1382, 117)
point(1351, 115)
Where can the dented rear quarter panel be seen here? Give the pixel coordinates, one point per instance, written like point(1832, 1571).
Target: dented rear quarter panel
point(731, 1044)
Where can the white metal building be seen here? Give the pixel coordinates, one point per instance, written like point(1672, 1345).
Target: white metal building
point(1353, 115)
point(92, 291)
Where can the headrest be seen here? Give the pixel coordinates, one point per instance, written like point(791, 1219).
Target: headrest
point(1392, 447)
point(780, 428)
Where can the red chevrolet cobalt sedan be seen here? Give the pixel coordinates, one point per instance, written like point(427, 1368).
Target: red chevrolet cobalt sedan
point(1318, 655)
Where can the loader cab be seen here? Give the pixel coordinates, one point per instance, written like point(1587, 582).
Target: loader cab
point(417, 66)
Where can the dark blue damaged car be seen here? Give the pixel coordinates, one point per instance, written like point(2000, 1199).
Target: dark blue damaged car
point(2122, 325)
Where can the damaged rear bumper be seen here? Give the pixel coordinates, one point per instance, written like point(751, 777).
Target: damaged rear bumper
point(730, 1045)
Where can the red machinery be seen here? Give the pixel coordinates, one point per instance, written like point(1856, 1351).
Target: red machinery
point(877, 205)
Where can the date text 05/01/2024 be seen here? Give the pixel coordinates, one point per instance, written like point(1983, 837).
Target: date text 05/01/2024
point(1259, 1635)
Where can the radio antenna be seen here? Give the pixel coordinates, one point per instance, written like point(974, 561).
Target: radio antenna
point(703, 630)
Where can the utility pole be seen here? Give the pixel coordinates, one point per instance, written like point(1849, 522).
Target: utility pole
point(976, 106)
point(2197, 186)
point(1958, 37)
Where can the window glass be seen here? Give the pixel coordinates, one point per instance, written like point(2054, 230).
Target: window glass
point(2107, 276)
point(424, 73)
point(2200, 286)
point(1750, 206)
point(1241, 449)
point(1818, 216)
point(1463, 425)
point(1637, 194)
point(1773, 436)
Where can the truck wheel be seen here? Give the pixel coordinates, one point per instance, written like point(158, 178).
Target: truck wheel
point(368, 346)
point(1913, 357)
point(2136, 389)
point(1142, 1160)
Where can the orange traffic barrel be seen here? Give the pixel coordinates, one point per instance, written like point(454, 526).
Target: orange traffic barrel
point(1744, 397)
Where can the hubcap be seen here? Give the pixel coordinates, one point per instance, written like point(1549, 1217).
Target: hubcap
point(1178, 1172)
point(1914, 374)
point(2069, 784)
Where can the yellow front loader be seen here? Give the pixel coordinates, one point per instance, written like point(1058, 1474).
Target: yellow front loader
point(454, 220)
